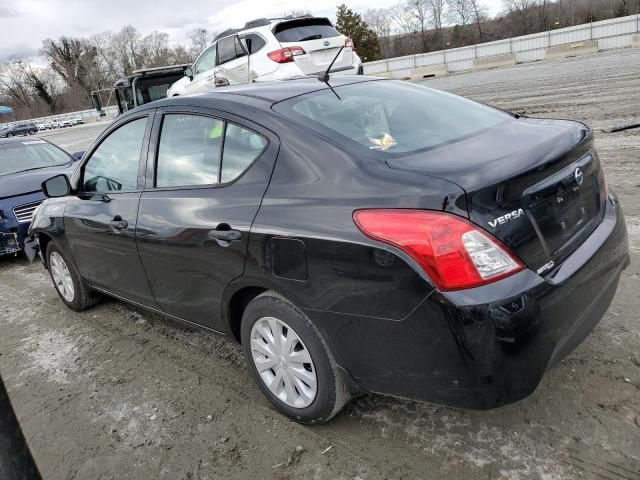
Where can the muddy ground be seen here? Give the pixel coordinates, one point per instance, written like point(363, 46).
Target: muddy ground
point(115, 392)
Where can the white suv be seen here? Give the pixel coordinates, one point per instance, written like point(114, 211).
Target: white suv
point(280, 48)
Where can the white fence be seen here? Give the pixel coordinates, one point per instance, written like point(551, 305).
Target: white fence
point(610, 34)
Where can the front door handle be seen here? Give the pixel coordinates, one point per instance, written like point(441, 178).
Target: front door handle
point(118, 223)
point(225, 234)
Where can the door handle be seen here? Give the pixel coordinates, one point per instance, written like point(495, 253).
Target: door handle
point(225, 233)
point(118, 223)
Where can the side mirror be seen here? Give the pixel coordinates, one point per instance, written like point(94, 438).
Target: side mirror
point(57, 186)
point(189, 72)
point(77, 155)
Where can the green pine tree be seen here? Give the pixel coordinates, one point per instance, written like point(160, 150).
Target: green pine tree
point(364, 38)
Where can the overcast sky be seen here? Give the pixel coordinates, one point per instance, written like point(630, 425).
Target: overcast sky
point(25, 23)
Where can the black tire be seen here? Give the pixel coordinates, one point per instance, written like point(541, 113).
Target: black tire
point(84, 297)
point(32, 132)
point(332, 391)
point(9, 135)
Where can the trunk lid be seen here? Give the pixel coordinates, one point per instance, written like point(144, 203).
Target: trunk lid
point(534, 184)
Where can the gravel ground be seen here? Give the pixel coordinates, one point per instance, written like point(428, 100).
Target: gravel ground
point(115, 392)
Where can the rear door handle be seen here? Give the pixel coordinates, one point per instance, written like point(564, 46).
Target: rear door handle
point(225, 234)
point(118, 223)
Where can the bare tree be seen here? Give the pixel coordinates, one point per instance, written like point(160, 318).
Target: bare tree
point(459, 12)
point(438, 10)
point(200, 39)
point(297, 12)
point(479, 13)
point(419, 11)
point(380, 22)
point(403, 19)
point(14, 82)
point(154, 50)
point(520, 9)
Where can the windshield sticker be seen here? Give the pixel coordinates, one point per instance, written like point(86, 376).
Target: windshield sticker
point(387, 141)
point(33, 142)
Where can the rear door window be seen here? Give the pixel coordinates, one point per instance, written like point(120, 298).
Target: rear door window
point(196, 150)
point(304, 29)
point(189, 151)
point(229, 49)
point(241, 148)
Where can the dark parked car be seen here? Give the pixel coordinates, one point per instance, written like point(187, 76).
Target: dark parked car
point(24, 165)
point(22, 128)
point(355, 236)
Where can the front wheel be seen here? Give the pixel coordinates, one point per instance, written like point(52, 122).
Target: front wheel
point(290, 361)
point(67, 281)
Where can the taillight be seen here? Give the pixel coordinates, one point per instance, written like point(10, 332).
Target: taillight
point(285, 55)
point(348, 43)
point(452, 251)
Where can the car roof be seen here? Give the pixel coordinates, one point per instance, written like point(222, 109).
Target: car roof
point(271, 92)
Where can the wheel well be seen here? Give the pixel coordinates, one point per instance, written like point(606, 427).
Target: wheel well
point(237, 305)
point(43, 242)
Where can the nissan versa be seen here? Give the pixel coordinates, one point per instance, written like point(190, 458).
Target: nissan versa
point(355, 236)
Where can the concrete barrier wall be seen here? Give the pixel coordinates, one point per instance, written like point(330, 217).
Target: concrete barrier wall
point(494, 62)
point(428, 72)
point(609, 34)
point(588, 47)
point(635, 41)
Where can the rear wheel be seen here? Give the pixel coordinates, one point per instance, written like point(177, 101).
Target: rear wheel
point(71, 288)
point(32, 132)
point(290, 361)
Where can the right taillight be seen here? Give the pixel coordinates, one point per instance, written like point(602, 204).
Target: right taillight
point(452, 251)
point(285, 55)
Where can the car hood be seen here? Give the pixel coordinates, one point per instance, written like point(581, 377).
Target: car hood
point(30, 181)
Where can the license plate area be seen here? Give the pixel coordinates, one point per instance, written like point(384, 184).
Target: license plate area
point(561, 217)
point(565, 204)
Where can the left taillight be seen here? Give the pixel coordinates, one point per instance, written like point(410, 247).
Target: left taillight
point(348, 43)
point(285, 55)
point(453, 252)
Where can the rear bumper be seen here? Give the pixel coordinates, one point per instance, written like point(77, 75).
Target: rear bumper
point(489, 346)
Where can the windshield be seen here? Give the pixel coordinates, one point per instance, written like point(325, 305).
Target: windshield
point(389, 116)
point(29, 155)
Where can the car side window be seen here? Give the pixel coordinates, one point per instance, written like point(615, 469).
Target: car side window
point(241, 148)
point(113, 166)
point(257, 42)
point(189, 151)
point(206, 61)
point(229, 49)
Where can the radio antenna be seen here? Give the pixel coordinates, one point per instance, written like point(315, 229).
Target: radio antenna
point(324, 77)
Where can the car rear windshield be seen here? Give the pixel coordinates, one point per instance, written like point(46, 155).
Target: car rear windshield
point(389, 116)
point(30, 155)
point(304, 29)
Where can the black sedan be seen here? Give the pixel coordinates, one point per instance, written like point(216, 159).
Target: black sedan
point(24, 165)
point(355, 236)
